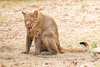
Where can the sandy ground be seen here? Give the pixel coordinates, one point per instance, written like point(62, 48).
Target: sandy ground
point(77, 21)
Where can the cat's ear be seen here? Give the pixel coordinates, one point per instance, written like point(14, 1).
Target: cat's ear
point(36, 13)
point(24, 13)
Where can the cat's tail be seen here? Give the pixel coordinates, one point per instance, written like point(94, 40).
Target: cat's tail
point(73, 50)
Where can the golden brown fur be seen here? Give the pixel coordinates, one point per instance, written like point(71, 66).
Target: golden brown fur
point(45, 33)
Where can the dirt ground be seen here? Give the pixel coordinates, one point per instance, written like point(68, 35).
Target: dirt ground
point(77, 21)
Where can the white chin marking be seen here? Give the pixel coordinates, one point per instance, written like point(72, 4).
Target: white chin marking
point(28, 22)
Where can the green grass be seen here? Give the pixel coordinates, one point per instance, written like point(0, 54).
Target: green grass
point(93, 45)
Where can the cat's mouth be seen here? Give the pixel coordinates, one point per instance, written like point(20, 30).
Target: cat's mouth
point(29, 27)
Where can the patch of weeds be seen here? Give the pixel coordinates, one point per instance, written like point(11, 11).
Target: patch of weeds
point(93, 27)
point(21, 48)
point(12, 45)
point(93, 45)
point(58, 56)
point(84, 38)
point(62, 34)
point(69, 46)
point(3, 65)
point(3, 18)
point(97, 65)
